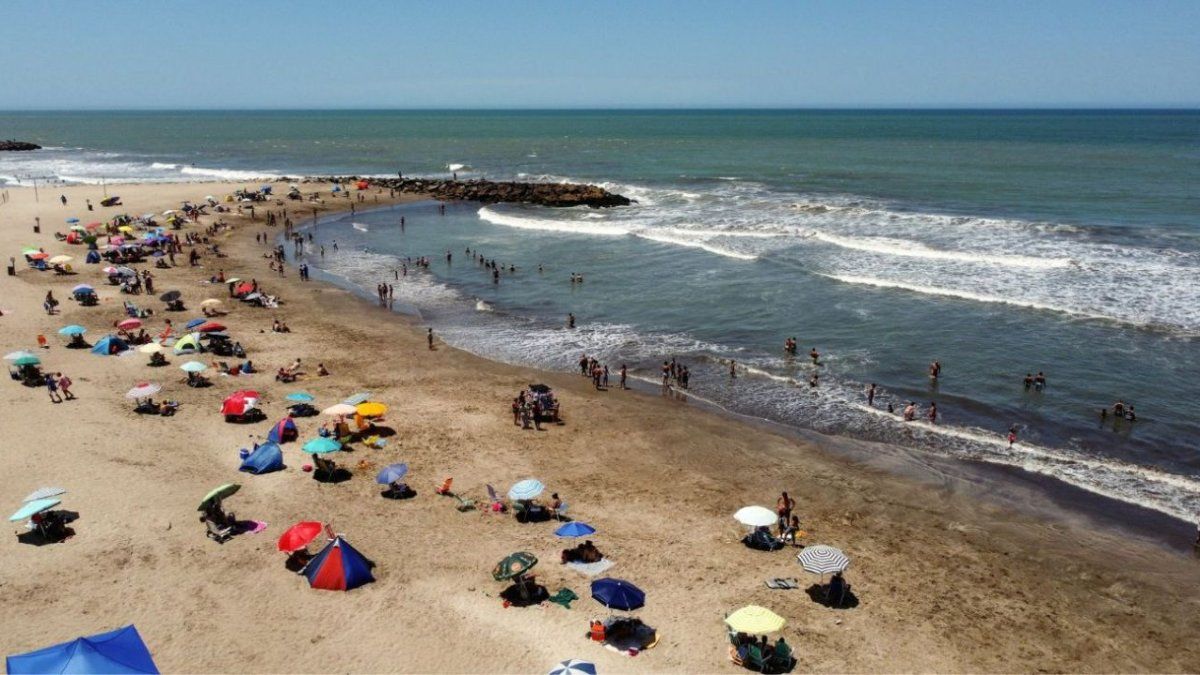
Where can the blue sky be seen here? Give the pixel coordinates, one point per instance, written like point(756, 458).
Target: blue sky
point(840, 53)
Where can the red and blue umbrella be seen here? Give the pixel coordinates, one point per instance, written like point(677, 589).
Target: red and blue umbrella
point(338, 567)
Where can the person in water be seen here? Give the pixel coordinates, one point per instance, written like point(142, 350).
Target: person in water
point(1028, 381)
point(814, 355)
point(871, 395)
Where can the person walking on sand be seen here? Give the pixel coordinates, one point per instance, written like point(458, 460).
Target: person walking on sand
point(783, 509)
point(63, 198)
point(52, 388)
point(64, 385)
point(429, 339)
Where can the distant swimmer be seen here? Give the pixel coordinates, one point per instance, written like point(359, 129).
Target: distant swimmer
point(448, 256)
point(814, 355)
point(1039, 381)
point(814, 380)
point(932, 415)
point(891, 408)
point(539, 268)
point(935, 370)
point(1129, 414)
point(1118, 408)
point(871, 395)
point(1028, 380)
point(789, 346)
point(732, 368)
point(570, 320)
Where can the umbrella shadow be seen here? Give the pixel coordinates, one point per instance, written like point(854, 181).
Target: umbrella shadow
point(820, 595)
point(35, 538)
point(296, 561)
point(382, 432)
point(394, 494)
point(525, 595)
point(338, 475)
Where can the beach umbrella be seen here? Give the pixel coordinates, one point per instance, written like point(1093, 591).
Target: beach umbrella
point(130, 324)
point(755, 620)
point(44, 493)
point(210, 327)
point(232, 280)
point(360, 397)
point(76, 228)
point(168, 212)
point(110, 270)
point(339, 409)
point(170, 296)
point(300, 397)
point(73, 329)
point(574, 667)
point(82, 288)
point(514, 565)
point(321, 445)
point(756, 516)
point(574, 529)
point(392, 473)
point(38, 256)
point(526, 489)
point(200, 321)
point(118, 651)
point(210, 302)
point(72, 220)
point(28, 360)
point(618, 594)
point(338, 567)
point(243, 288)
point(125, 228)
point(93, 225)
point(60, 259)
point(251, 296)
point(28, 509)
point(13, 356)
point(126, 272)
point(300, 535)
point(225, 491)
point(239, 402)
point(142, 390)
point(193, 367)
point(370, 409)
point(283, 431)
point(150, 348)
point(822, 559)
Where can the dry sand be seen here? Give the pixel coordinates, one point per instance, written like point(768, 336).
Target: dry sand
point(945, 583)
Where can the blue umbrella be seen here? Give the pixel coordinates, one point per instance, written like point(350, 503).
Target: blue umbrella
point(575, 529)
point(574, 667)
point(391, 474)
point(526, 489)
point(36, 506)
point(82, 288)
point(73, 329)
point(196, 322)
point(321, 445)
point(72, 220)
point(360, 397)
point(300, 397)
point(118, 651)
point(618, 594)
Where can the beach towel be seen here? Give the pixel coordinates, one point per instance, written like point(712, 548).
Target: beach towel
point(252, 526)
point(783, 584)
point(591, 569)
point(564, 597)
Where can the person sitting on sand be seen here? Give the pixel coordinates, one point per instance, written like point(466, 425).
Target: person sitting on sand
point(322, 371)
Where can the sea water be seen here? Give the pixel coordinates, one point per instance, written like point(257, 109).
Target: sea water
point(995, 242)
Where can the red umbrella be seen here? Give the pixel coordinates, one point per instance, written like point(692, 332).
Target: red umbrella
point(239, 402)
point(300, 535)
point(130, 324)
point(243, 288)
point(210, 327)
point(38, 256)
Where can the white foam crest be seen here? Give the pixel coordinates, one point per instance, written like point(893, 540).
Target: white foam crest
point(458, 167)
point(700, 243)
point(228, 174)
point(899, 247)
point(494, 217)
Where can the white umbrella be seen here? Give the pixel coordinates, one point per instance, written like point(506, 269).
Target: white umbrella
point(339, 409)
point(756, 516)
point(822, 559)
point(574, 667)
point(193, 367)
point(143, 390)
point(60, 259)
point(211, 302)
point(526, 489)
point(44, 493)
point(150, 348)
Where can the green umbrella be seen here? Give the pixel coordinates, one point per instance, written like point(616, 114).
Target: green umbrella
point(321, 446)
point(222, 492)
point(29, 360)
point(514, 565)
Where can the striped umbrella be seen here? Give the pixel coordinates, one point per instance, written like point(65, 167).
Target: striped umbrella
point(823, 559)
point(574, 667)
point(526, 489)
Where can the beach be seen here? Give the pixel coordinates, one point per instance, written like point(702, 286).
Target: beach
point(945, 582)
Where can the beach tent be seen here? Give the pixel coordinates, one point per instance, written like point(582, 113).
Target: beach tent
point(338, 567)
point(265, 459)
point(110, 344)
point(118, 651)
point(283, 431)
point(362, 185)
point(189, 342)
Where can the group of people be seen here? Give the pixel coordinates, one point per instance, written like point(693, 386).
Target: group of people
point(533, 406)
point(672, 371)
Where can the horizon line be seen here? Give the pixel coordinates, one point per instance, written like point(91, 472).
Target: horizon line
point(816, 108)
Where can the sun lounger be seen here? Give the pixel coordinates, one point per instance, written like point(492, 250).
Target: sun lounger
point(324, 467)
point(561, 512)
point(753, 658)
point(465, 504)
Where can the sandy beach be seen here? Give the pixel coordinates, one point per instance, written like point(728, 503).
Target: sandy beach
point(944, 582)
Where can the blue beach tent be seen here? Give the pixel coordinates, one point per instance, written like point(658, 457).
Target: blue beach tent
point(118, 651)
point(110, 344)
point(283, 431)
point(267, 458)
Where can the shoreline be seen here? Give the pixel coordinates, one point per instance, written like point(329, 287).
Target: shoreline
point(940, 576)
point(1030, 492)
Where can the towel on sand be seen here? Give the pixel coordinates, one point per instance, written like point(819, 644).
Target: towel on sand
point(591, 569)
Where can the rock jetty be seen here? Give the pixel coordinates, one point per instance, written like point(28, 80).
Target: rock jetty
point(17, 146)
point(492, 192)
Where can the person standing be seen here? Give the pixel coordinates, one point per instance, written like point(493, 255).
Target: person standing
point(783, 509)
point(624, 374)
point(64, 384)
point(932, 413)
point(429, 339)
point(871, 395)
point(52, 388)
point(570, 320)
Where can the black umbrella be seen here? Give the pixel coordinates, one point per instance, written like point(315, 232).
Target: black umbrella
point(170, 296)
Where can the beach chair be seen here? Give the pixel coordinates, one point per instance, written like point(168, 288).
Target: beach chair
point(464, 504)
point(753, 658)
point(495, 503)
point(218, 533)
point(324, 467)
point(781, 659)
point(444, 488)
point(561, 512)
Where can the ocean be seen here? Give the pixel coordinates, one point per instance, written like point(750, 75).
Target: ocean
point(998, 243)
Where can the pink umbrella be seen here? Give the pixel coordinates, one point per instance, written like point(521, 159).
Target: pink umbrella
point(109, 270)
point(130, 324)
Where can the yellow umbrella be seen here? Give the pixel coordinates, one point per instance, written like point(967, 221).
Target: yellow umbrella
point(755, 620)
point(371, 409)
point(211, 302)
point(125, 228)
point(60, 259)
